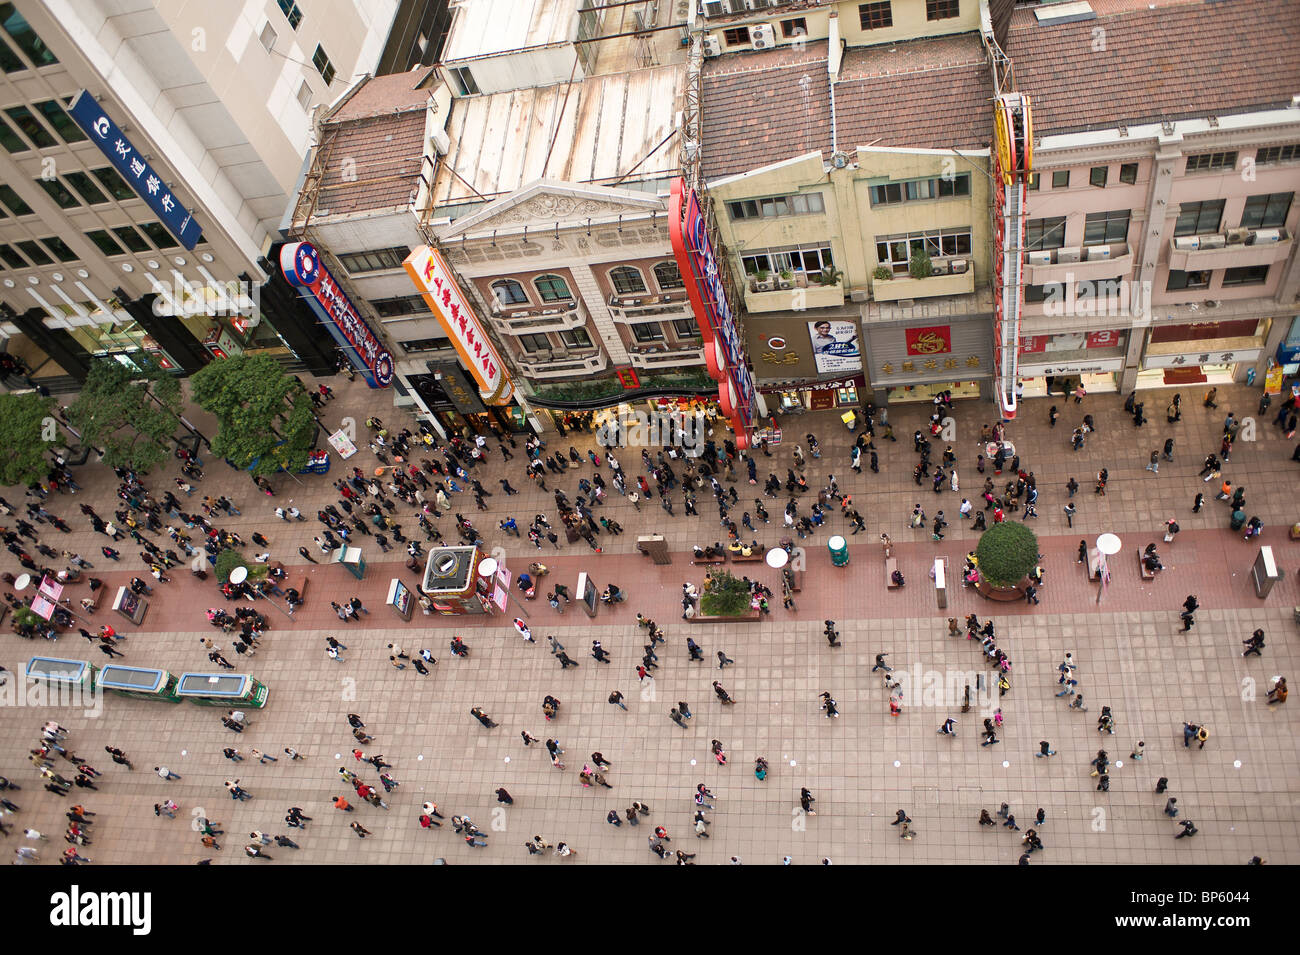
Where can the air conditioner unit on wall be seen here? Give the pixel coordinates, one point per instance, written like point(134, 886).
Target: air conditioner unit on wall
point(1068, 255)
point(1096, 252)
point(1187, 243)
point(1237, 236)
point(714, 8)
point(1038, 258)
point(764, 36)
point(712, 46)
point(958, 266)
point(1212, 241)
point(1267, 236)
point(940, 267)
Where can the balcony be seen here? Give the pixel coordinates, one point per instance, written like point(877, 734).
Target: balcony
point(1229, 250)
point(630, 309)
point(905, 287)
point(664, 355)
point(550, 317)
point(797, 293)
point(1078, 265)
point(563, 364)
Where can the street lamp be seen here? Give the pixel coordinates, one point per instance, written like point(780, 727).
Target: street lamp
point(1107, 546)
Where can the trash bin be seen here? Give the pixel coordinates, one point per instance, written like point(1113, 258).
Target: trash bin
point(839, 549)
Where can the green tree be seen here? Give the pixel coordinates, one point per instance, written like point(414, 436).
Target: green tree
point(25, 435)
point(133, 415)
point(263, 414)
point(725, 596)
point(1007, 552)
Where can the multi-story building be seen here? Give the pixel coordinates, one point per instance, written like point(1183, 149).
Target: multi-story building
point(846, 152)
point(149, 150)
point(1161, 215)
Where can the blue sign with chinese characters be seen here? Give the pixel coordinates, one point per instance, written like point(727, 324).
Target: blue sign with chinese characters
point(140, 176)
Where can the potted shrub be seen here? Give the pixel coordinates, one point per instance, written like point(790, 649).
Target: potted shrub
point(1006, 553)
point(787, 279)
point(829, 275)
point(883, 273)
point(920, 266)
point(725, 595)
point(762, 281)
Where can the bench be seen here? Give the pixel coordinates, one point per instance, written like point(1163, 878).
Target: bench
point(96, 596)
point(1094, 563)
point(298, 583)
point(721, 559)
point(738, 558)
point(1146, 574)
point(795, 579)
point(891, 565)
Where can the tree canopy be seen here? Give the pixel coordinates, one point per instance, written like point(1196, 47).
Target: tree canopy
point(25, 436)
point(1007, 552)
point(132, 415)
point(263, 414)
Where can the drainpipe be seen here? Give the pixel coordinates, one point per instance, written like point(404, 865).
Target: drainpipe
point(835, 53)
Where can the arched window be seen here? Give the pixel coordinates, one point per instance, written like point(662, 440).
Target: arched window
point(552, 288)
point(627, 280)
point(668, 277)
point(509, 292)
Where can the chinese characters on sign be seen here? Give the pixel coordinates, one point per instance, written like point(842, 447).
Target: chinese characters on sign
point(935, 340)
point(141, 177)
point(1200, 358)
point(835, 346)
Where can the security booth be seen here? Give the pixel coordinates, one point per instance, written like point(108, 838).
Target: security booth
point(400, 598)
point(129, 605)
point(57, 671)
point(452, 583)
point(222, 689)
point(1264, 573)
point(350, 559)
point(139, 682)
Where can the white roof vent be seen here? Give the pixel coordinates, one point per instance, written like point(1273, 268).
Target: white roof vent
point(1065, 12)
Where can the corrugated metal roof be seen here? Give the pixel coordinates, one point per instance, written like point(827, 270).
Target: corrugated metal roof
point(609, 123)
point(486, 27)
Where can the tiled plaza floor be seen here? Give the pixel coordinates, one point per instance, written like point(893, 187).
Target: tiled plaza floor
point(1240, 790)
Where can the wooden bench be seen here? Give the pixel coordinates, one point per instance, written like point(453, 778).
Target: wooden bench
point(721, 559)
point(737, 558)
point(96, 596)
point(796, 580)
point(1142, 567)
point(1094, 563)
point(891, 565)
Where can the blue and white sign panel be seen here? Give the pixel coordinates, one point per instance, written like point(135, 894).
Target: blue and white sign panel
point(140, 176)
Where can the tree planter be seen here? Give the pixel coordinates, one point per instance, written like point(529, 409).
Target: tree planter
point(1004, 594)
point(752, 617)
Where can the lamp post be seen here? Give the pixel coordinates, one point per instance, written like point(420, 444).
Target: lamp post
point(1107, 546)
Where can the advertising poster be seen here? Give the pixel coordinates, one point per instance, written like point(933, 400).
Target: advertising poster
point(835, 346)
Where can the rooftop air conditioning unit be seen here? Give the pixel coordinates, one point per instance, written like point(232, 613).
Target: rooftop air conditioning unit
point(712, 46)
point(958, 266)
point(1068, 255)
point(1237, 236)
point(1038, 258)
point(764, 36)
point(714, 8)
point(940, 267)
point(1267, 236)
point(1187, 243)
point(440, 141)
point(1212, 241)
point(1096, 252)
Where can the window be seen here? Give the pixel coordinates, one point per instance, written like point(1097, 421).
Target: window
point(59, 248)
point(1267, 212)
point(1249, 275)
point(667, 276)
point(9, 61)
point(12, 258)
point(1208, 162)
point(648, 332)
point(304, 94)
point(85, 187)
point(34, 252)
point(131, 239)
point(22, 118)
point(805, 259)
point(939, 188)
point(1101, 292)
point(425, 344)
point(794, 28)
point(736, 36)
point(942, 9)
point(158, 235)
point(1061, 179)
point(532, 343)
point(464, 80)
point(1044, 234)
point(1199, 218)
point(575, 338)
point(401, 305)
point(1040, 293)
point(896, 251)
point(11, 141)
point(59, 193)
point(875, 16)
point(1273, 154)
point(552, 288)
point(509, 292)
point(1032, 185)
point(115, 184)
point(686, 328)
point(626, 280)
point(24, 36)
point(375, 260)
point(1128, 173)
point(291, 12)
point(794, 205)
point(60, 121)
point(1103, 228)
point(267, 36)
point(1097, 176)
point(1179, 280)
point(104, 242)
point(324, 67)
point(12, 202)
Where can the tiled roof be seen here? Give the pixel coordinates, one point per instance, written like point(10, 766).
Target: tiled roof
point(379, 95)
point(1179, 60)
point(372, 163)
point(761, 108)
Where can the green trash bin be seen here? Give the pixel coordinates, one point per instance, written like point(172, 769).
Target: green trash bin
point(839, 549)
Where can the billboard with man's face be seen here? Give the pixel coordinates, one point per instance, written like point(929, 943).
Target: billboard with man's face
point(835, 346)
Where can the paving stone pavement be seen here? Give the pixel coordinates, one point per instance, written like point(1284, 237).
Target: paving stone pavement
point(861, 767)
